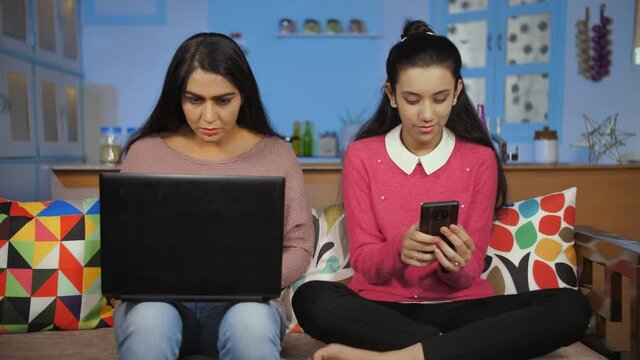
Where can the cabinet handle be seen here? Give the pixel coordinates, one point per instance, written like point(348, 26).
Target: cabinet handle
point(489, 42)
point(499, 41)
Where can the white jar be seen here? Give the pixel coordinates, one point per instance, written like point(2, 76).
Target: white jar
point(545, 146)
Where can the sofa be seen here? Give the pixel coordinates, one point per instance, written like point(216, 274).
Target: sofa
point(606, 271)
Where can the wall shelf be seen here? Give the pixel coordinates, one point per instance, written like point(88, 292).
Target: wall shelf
point(329, 36)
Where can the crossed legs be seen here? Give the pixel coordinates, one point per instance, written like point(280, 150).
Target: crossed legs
point(513, 326)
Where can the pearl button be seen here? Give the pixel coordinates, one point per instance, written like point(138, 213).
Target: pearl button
point(382, 197)
point(467, 169)
point(379, 161)
point(415, 296)
point(462, 205)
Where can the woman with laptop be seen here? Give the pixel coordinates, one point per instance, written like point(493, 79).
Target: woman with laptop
point(412, 295)
point(209, 120)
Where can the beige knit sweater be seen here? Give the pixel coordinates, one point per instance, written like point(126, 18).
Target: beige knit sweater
point(269, 157)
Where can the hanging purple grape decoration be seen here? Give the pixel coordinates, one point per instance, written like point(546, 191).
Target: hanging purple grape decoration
point(600, 43)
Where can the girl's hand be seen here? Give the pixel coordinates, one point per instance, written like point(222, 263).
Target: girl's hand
point(417, 247)
point(454, 259)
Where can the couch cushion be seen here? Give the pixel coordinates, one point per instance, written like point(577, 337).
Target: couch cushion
point(532, 245)
point(330, 257)
point(50, 266)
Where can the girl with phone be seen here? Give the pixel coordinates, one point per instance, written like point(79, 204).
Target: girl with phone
point(413, 296)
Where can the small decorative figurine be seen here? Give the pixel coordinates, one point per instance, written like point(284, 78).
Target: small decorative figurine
point(287, 26)
point(311, 26)
point(334, 26)
point(356, 26)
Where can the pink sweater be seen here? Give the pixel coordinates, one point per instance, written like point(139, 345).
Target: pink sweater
point(381, 204)
point(270, 157)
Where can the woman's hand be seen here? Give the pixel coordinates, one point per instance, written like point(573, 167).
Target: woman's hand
point(417, 247)
point(454, 259)
point(115, 303)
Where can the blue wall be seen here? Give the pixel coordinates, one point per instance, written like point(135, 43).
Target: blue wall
point(617, 93)
point(307, 78)
point(319, 79)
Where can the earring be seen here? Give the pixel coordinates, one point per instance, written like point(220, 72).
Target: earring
point(454, 101)
point(393, 103)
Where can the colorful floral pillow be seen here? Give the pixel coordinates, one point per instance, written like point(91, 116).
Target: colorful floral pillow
point(50, 266)
point(330, 257)
point(532, 245)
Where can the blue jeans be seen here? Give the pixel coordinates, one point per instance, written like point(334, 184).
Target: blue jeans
point(159, 330)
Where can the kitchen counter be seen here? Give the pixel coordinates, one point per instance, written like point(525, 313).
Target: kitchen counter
point(78, 181)
point(608, 195)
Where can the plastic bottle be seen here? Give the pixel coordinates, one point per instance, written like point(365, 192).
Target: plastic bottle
point(110, 144)
point(307, 139)
point(296, 138)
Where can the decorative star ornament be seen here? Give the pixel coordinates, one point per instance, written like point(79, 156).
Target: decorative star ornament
point(603, 139)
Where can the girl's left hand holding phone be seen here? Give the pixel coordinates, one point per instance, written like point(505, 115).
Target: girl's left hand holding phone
point(454, 259)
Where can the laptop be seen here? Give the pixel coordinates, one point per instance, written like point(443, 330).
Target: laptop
point(191, 238)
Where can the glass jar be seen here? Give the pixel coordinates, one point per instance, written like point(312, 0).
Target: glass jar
point(110, 144)
point(130, 132)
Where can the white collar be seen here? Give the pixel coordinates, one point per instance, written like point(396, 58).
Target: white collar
point(407, 161)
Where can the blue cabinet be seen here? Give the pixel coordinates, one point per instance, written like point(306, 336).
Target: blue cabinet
point(513, 59)
point(40, 93)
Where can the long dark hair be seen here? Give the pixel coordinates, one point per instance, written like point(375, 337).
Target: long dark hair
point(214, 53)
point(421, 47)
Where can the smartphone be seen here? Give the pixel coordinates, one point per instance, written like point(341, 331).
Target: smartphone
point(434, 215)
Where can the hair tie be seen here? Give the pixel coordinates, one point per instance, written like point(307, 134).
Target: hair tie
point(403, 36)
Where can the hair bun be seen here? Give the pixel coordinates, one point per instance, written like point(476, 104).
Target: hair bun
point(412, 27)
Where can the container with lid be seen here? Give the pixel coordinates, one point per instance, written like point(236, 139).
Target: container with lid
point(130, 132)
point(545, 146)
point(110, 144)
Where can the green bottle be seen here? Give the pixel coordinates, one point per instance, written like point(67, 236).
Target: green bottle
point(296, 139)
point(307, 139)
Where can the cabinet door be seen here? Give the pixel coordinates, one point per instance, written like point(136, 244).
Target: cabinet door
point(468, 26)
point(529, 59)
point(17, 132)
point(69, 32)
point(46, 30)
point(512, 60)
point(70, 113)
point(56, 32)
point(15, 26)
point(58, 104)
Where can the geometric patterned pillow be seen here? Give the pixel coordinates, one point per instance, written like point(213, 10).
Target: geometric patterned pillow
point(330, 256)
point(532, 245)
point(50, 266)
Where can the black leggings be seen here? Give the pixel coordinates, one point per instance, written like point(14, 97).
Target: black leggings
point(518, 326)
